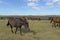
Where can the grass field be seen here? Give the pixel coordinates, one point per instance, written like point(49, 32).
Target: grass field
point(40, 30)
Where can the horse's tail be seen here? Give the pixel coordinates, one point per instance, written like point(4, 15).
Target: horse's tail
point(8, 23)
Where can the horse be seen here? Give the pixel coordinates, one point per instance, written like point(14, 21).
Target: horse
point(17, 23)
point(22, 18)
point(55, 21)
point(31, 18)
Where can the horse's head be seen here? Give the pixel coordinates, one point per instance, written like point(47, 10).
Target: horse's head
point(27, 26)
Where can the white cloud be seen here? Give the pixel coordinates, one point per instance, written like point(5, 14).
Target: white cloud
point(33, 4)
point(33, 0)
point(55, 0)
point(51, 3)
point(58, 3)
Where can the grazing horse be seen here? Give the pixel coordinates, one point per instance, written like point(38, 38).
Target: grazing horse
point(17, 23)
point(55, 20)
point(31, 18)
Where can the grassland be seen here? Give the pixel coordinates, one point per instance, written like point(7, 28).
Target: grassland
point(40, 30)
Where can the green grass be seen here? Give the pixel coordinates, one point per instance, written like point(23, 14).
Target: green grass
point(41, 30)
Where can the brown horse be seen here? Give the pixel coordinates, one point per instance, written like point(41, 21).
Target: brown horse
point(23, 18)
point(55, 20)
point(31, 18)
point(17, 23)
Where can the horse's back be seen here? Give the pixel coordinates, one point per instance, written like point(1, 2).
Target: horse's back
point(16, 22)
point(56, 20)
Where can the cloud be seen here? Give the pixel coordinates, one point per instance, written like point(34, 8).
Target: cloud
point(41, 4)
point(58, 3)
point(51, 2)
point(55, 1)
point(33, 4)
point(33, 0)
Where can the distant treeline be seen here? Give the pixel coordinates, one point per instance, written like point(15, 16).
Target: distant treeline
point(41, 17)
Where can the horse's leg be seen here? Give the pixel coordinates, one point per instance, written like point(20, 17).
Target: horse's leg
point(11, 29)
point(54, 25)
point(59, 25)
point(20, 30)
point(16, 30)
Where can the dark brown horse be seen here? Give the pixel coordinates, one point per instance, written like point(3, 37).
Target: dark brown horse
point(17, 23)
point(55, 20)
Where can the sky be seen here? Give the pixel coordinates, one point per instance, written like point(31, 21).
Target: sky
point(29, 7)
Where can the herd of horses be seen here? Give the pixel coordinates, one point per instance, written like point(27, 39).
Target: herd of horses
point(22, 21)
point(31, 18)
